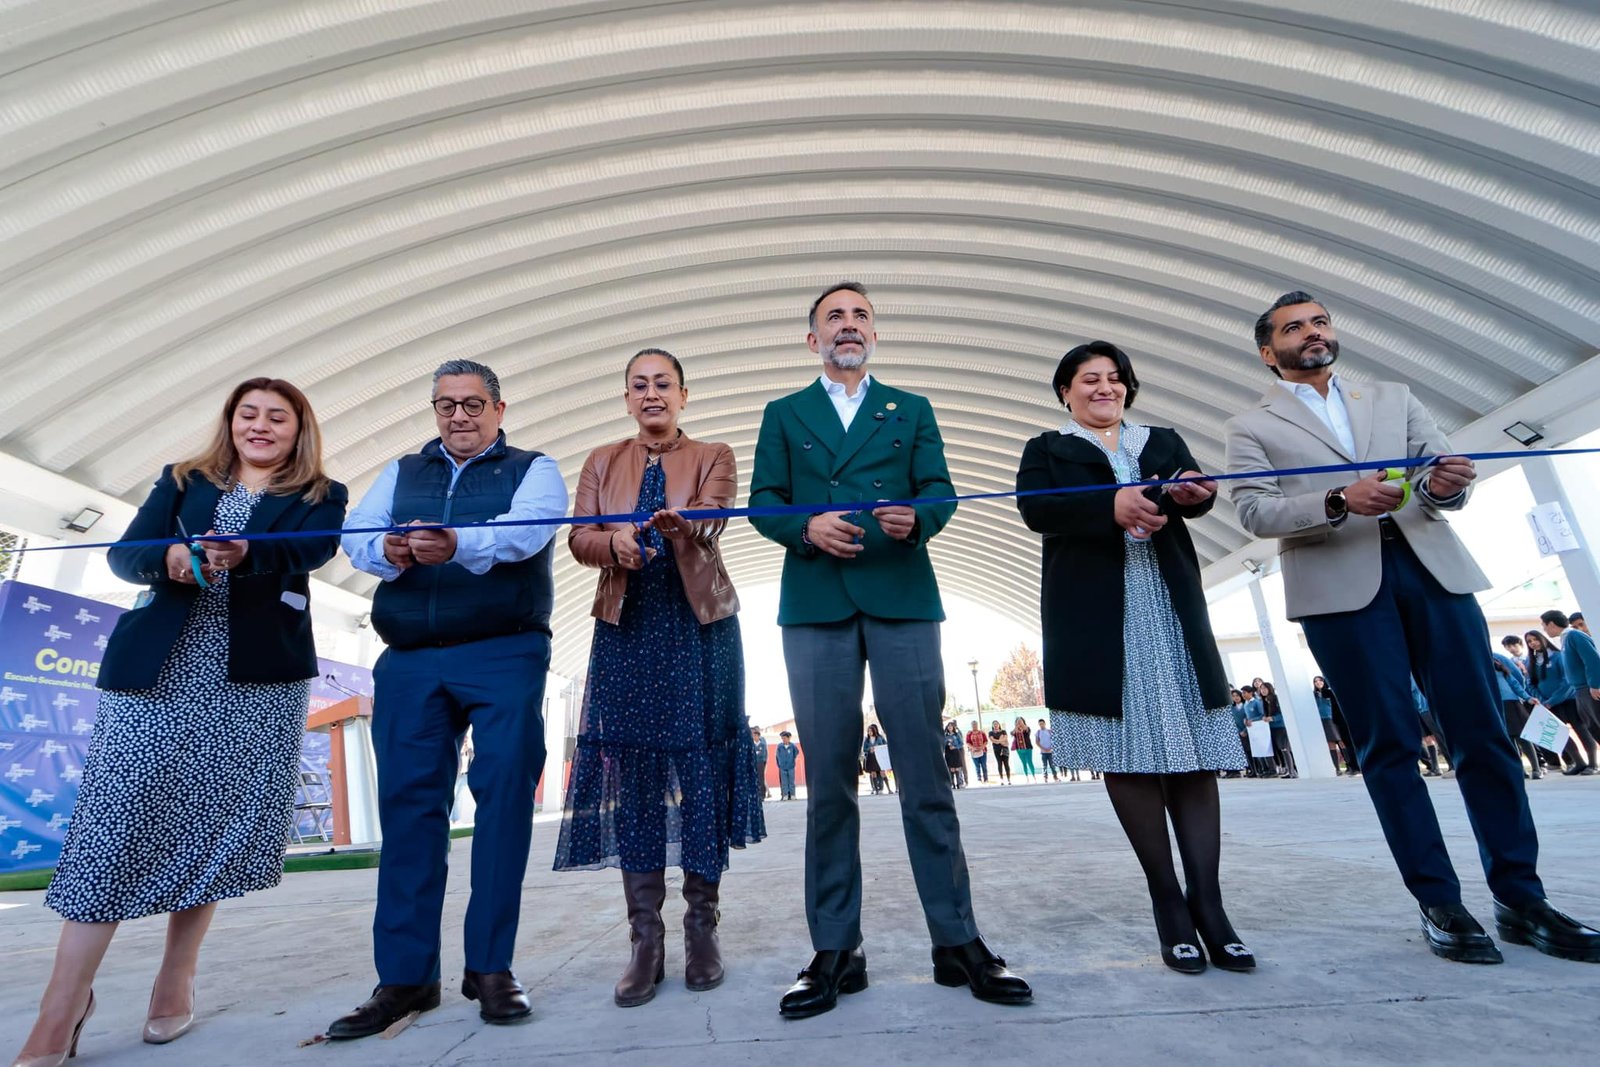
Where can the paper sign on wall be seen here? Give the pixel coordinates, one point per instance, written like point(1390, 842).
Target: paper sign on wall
point(1552, 532)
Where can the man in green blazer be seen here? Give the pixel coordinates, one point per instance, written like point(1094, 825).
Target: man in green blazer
point(859, 591)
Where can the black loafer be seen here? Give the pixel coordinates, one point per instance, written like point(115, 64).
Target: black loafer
point(830, 972)
point(1453, 934)
point(387, 1006)
point(973, 965)
point(1548, 930)
point(1227, 952)
point(1184, 957)
point(501, 998)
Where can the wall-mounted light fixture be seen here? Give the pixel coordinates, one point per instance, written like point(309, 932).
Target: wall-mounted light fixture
point(1523, 434)
point(84, 520)
point(1252, 566)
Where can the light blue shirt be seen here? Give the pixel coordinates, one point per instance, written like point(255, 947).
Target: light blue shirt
point(843, 403)
point(542, 495)
point(1330, 410)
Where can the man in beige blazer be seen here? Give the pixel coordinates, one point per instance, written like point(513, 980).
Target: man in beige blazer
point(1383, 589)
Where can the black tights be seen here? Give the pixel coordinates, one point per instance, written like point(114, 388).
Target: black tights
point(1143, 803)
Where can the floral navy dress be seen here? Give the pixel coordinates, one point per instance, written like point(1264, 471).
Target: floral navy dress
point(188, 788)
point(664, 763)
point(1164, 729)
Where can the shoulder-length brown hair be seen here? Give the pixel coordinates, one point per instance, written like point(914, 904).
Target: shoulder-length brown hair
point(300, 473)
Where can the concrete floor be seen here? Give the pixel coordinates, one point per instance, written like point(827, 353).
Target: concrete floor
point(1344, 976)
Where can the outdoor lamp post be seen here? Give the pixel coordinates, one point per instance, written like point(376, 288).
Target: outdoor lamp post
point(977, 702)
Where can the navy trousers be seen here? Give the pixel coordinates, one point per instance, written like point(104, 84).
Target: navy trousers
point(1414, 626)
point(424, 700)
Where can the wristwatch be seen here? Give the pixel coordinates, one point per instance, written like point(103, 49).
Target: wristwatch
point(1335, 505)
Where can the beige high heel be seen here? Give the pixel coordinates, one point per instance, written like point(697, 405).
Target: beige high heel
point(159, 1031)
point(57, 1059)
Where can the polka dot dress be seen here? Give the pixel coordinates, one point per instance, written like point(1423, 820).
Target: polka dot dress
point(1163, 729)
point(664, 771)
point(188, 788)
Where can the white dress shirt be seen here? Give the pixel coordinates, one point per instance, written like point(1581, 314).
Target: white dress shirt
point(846, 405)
point(1330, 409)
point(1336, 417)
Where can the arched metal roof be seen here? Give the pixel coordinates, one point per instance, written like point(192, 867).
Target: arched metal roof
point(344, 193)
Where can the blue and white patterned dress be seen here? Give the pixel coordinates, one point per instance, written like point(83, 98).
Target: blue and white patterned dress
point(1163, 729)
point(188, 788)
point(664, 770)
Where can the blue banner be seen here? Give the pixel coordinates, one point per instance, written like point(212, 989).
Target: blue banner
point(50, 649)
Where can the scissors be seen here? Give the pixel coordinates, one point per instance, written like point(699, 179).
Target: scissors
point(1411, 476)
point(196, 557)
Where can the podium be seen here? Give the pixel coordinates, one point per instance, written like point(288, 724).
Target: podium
point(351, 771)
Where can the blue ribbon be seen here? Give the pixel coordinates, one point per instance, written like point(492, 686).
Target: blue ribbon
point(701, 514)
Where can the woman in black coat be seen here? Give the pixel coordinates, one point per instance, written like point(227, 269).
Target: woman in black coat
point(188, 788)
point(1131, 670)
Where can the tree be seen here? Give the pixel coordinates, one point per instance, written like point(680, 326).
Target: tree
point(1019, 681)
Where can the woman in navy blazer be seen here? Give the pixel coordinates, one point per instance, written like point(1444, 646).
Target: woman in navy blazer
point(188, 788)
point(269, 621)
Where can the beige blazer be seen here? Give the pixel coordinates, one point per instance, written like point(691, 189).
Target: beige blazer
point(1327, 568)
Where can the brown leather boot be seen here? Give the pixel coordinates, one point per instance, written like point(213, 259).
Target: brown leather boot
point(702, 957)
point(646, 893)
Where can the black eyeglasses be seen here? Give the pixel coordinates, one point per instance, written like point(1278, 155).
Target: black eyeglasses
point(473, 406)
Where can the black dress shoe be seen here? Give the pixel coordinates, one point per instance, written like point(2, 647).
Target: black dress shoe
point(501, 998)
point(975, 966)
point(830, 972)
point(1180, 943)
point(1222, 943)
point(387, 1006)
point(1185, 957)
point(1453, 934)
point(1548, 930)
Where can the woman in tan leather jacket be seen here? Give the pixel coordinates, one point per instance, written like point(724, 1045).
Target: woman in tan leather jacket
point(664, 770)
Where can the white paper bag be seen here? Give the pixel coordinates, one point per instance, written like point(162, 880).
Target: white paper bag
point(1260, 733)
point(1546, 731)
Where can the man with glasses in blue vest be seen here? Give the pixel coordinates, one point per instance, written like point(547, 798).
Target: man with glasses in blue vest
point(465, 612)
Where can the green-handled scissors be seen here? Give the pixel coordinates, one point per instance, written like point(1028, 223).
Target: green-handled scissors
point(196, 556)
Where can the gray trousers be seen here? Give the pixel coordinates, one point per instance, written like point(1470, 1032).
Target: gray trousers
point(827, 666)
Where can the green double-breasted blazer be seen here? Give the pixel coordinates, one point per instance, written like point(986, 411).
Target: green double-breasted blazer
point(893, 451)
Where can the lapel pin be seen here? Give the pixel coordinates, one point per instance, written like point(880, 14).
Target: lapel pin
point(878, 415)
point(891, 405)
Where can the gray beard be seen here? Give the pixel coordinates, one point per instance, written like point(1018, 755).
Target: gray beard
point(834, 359)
